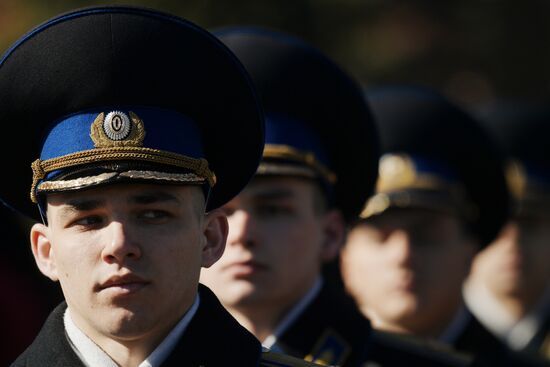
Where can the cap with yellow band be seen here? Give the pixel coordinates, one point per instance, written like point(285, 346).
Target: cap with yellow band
point(318, 123)
point(521, 127)
point(436, 157)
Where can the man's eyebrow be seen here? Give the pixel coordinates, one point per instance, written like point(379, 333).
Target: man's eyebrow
point(83, 204)
point(73, 206)
point(150, 197)
point(274, 194)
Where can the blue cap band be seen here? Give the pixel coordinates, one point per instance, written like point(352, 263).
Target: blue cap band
point(166, 130)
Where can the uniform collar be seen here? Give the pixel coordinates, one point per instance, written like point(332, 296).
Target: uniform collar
point(92, 355)
point(293, 314)
point(456, 326)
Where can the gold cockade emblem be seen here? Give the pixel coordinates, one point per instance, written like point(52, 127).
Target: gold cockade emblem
point(117, 129)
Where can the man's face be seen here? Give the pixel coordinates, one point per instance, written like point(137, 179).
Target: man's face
point(127, 256)
point(276, 244)
point(405, 268)
point(516, 263)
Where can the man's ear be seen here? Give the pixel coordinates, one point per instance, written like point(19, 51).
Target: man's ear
point(214, 237)
point(42, 250)
point(334, 229)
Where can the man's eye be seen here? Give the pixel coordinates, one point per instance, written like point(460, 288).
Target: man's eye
point(154, 214)
point(271, 210)
point(91, 220)
point(228, 211)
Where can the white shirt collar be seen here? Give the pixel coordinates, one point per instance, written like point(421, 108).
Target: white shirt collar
point(92, 355)
point(486, 308)
point(293, 314)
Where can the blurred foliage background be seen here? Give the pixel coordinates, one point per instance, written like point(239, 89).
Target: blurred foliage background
point(473, 51)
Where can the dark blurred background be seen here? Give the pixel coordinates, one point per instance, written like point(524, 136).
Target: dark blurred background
point(474, 51)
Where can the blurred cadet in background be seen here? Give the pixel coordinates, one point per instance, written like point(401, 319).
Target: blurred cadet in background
point(319, 166)
point(508, 289)
point(441, 195)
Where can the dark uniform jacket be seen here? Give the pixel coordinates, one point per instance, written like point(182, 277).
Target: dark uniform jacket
point(541, 341)
point(475, 339)
point(212, 338)
point(332, 331)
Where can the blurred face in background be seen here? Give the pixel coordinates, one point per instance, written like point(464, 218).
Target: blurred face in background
point(280, 233)
point(405, 268)
point(516, 264)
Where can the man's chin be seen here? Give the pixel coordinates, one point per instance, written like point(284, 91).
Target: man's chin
point(400, 311)
point(239, 293)
point(509, 284)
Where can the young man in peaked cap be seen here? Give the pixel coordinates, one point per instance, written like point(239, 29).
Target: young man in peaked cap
point(508, 289)
point(131, 120)
point(319, 164)
point(440, 197)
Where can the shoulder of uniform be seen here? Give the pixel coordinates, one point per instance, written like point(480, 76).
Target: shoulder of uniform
point(273, 359)
point(420, 347)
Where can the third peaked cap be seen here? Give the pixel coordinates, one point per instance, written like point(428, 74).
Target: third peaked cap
point(446, 145)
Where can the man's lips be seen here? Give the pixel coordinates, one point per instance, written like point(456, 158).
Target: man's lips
point(512, 263)
point(245, 268)
point(123, 284)
point(404, 282)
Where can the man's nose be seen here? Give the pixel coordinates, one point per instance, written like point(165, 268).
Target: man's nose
point(400, 246)
point(242, 229)
point(119, 246)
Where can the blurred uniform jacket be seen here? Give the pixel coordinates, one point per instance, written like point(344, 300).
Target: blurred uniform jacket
point(477, 340)
point(332, 331)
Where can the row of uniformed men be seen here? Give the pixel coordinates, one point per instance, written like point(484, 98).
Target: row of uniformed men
point(159, 149)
